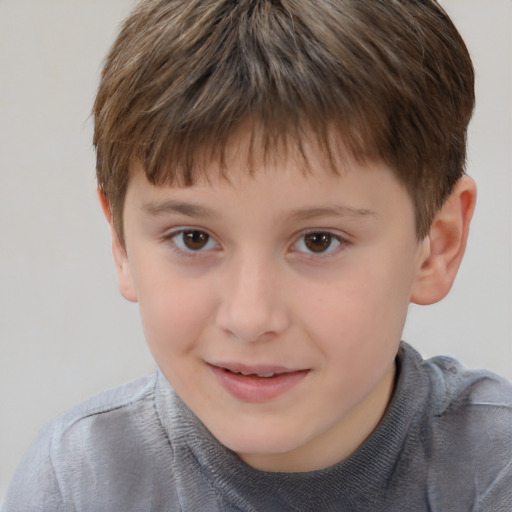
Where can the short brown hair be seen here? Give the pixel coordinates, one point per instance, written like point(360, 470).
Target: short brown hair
point(392, 77)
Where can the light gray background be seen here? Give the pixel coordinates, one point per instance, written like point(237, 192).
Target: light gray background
point(65, 332)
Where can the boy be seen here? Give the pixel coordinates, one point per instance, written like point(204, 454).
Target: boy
point(282, 178)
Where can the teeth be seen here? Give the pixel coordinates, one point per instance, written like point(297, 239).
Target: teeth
point(263, 375)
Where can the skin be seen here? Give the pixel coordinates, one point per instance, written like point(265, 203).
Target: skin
point(312, 273)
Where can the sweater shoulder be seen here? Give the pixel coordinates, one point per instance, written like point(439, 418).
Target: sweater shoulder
point(126, 395)
point(103, 447)
point(470, 438)
point(455, 386)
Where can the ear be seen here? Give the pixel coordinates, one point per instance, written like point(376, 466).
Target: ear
point(445, 244)
point(123, 269)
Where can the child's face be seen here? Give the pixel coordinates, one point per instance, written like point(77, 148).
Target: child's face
point(301, 281)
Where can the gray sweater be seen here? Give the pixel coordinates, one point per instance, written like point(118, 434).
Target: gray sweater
point(445, 444)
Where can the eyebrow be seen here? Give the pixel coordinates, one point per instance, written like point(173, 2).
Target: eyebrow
point(335, 210)
point(179, 207)
point(196, 211)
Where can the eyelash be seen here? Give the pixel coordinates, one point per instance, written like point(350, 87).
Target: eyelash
point(181, 249)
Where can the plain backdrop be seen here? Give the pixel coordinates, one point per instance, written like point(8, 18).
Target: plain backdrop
point(65, 332)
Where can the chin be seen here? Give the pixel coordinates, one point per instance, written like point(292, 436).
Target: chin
point(261, 442)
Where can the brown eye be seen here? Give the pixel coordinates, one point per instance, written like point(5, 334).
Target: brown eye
point(192, 240)
point(318, 242)
point(195, 240)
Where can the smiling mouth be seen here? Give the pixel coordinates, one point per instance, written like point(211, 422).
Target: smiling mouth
point(257, 384)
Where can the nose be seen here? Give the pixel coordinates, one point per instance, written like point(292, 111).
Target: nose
point(253, 305)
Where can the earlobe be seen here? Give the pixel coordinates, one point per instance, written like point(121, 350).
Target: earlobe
point(445, 245)
point(122, 264)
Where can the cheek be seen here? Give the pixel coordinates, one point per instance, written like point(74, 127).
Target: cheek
point(174, 312)
point(357, 315)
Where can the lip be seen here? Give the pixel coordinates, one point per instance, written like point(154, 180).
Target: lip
point(257, 385)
